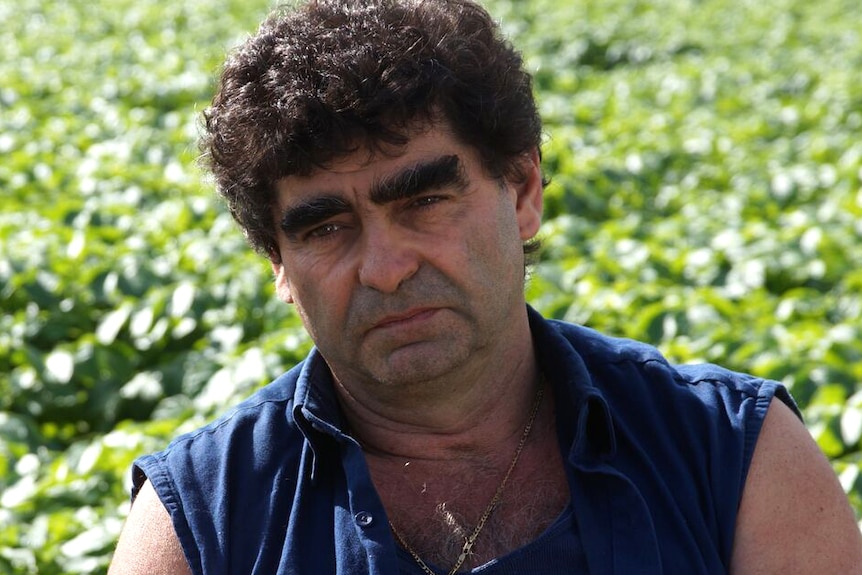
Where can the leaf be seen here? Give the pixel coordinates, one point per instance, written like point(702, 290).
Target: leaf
point(112, 323)
point(59, 366)
point(851, 425)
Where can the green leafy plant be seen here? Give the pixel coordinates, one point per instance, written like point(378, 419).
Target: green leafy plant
point(706, 197)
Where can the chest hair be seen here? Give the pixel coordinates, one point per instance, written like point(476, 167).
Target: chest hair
point(436, 509)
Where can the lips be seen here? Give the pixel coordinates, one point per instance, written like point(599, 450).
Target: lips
point(405, 319)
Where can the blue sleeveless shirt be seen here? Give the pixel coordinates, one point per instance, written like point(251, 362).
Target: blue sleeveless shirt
point(656, 457)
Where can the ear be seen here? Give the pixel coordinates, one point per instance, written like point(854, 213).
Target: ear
point(282, 284)
point(529, 196)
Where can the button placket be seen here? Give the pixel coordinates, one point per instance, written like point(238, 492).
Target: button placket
point(364, 519)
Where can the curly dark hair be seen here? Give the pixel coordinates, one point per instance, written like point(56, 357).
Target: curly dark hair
point(322, 80)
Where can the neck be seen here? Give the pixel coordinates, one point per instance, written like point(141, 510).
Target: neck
point(472, 416)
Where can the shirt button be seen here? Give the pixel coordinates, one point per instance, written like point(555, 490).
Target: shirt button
point(364, 519)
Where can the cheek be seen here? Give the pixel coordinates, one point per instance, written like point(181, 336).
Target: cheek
point(492, 260)
point(319, 303)
point(507, 242)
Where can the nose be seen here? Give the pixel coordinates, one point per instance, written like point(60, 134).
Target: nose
point(387, 259)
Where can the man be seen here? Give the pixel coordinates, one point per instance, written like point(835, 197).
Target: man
point(385, 156)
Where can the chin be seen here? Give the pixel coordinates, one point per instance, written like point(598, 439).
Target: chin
point(417, 363)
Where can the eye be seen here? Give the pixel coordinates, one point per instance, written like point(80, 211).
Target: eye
point(426, 201)
point(324, 231)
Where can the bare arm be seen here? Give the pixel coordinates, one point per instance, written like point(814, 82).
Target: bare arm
point(148, 543)
point(794, 518)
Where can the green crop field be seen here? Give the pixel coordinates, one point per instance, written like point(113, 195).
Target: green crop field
point(706, 197)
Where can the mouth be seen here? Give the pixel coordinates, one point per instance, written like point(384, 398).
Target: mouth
point(408, 318)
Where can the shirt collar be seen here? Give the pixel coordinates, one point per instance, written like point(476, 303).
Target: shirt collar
point(315, 403)
point(583, 415)
point(316, 411)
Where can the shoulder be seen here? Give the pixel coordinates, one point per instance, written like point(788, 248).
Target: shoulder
point(712, 414)
point(794, 516)
point(278, 396)
point(718, 438)
point(617, 365)
point(148, 544)
point(244, 435)
point(238, 464)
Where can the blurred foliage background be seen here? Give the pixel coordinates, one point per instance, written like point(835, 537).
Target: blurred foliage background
point(706, 197)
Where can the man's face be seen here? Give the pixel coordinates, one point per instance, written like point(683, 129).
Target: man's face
point(407, 267)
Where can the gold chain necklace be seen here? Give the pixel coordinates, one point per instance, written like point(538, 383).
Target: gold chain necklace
point(471, 539)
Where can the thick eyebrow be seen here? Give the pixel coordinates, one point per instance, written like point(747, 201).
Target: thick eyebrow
point(308, 214)
point(434, 174)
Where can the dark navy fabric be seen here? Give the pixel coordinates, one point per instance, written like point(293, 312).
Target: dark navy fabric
point(557, 551)
point(656, 458)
